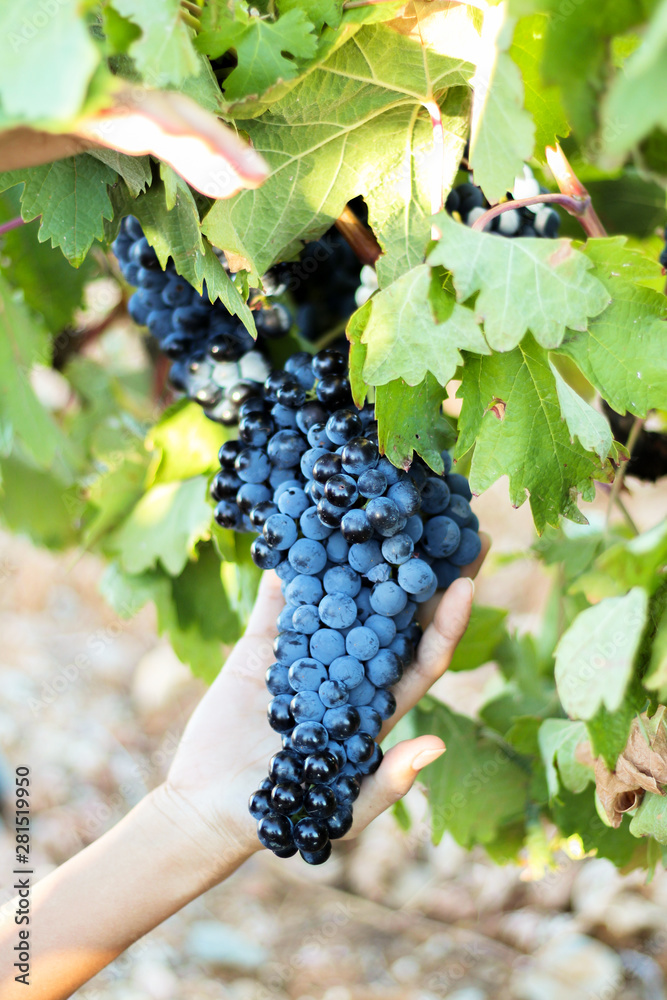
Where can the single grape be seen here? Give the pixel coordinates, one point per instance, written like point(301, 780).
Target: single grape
point(346, 669)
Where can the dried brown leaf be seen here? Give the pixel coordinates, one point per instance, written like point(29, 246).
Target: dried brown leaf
point(642, 767)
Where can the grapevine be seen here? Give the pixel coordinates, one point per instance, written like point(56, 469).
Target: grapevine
point(350, 281)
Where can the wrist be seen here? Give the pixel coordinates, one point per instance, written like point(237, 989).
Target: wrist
point(206, 851)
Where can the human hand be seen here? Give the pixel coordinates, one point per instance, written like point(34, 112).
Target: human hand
point(227, 743)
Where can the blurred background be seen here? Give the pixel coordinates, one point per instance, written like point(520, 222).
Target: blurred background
point(94, 705)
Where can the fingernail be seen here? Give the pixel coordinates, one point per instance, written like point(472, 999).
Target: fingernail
point(426, 757)
point(472, 584)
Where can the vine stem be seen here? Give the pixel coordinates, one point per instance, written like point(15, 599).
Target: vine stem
point(438, 167)
point(6, 227)
point(359, 236)
point(569, 184)
point(574, 205)
point(189, 19)
point(351, 4)
point(614, 493)
point(79, 339)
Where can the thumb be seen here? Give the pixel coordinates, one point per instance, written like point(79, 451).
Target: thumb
point(394, 778)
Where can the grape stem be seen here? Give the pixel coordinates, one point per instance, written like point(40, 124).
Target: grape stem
point(12, 224)
point(615, 492)
point(569, 184)
point(75, 341)
point(359, 236)
point(576, 206)
point(351, 4)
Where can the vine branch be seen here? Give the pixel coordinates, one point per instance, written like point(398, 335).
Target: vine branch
point(75, 341)
point(351, 4)
point(574, 205)
point(6, 227)
point(614, 493)
point(569, 184)
point(359, 236)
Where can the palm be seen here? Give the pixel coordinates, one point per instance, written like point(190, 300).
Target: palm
point(227, 743)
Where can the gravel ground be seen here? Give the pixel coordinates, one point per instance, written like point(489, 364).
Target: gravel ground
point(95, 707)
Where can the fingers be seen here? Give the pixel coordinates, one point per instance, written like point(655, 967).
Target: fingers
point(253, 653)
point(269, 604)
point(394, 778)
point(426, 611)
point(435, 649)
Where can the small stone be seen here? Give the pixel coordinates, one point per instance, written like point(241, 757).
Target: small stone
point(569, 965)
point(220, 944)
point(159, 677)
point(471, 993)
point(405, 969)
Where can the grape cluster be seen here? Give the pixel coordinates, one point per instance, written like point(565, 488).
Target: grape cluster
point(357, 544)
point(322, 284)
point(468, 202)
point(214, 358)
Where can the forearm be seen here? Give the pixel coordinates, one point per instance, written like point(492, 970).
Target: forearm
point(96, 905)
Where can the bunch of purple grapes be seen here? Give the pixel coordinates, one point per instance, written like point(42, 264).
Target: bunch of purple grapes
point(211, 350)
point(358, 544)
point(467, 201)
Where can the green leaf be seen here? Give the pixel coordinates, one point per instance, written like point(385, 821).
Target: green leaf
point(650, 820)
point(34, 502)
point(410, 420)
point(558, 741)
point(127, 593)
point(164, 54)
point(485, 632)
point(72, 199)
point(49, 58)
point(164, 527)
point(541, 285)
point(175, 232)
point(576, 53)
point(200, 618)
point(354, 332)
point(595, 657)
point(404, 340)
point(542, 102)
point(503, 133)
point(622, 354)
point(637, 562)
point(320, 12)
point(656, 675)
point(241, 578)
point(512, 415)
point(23, 343)
point(119, 33)
point(475, 787)
point(353, 125)
point(113, 494)
point(609, 731)
point(634, 105)
point(36, 268)
point(220, 286)
point(259, 45)
point(187, 442)
point(203, 87)
point(576, 814)
point(582, 420)
point(135, 170)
